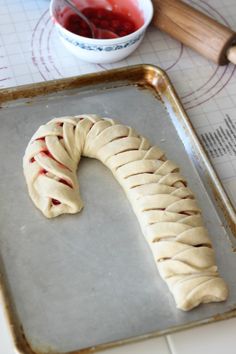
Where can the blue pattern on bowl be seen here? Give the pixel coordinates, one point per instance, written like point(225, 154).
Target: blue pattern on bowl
point(101, 48)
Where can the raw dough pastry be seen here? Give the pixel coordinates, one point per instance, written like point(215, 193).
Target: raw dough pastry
point(166, 209)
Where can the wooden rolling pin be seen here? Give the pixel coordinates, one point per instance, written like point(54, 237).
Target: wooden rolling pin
point(196, 30)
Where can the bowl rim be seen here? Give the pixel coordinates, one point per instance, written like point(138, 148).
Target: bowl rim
point(105, 41)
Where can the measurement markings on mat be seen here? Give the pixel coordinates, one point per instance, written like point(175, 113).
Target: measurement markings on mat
point(222, 140)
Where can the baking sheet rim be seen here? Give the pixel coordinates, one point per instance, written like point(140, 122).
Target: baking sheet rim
point(145, 75)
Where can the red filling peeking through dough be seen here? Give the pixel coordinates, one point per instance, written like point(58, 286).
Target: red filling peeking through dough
point(61, 180)
point(46, 153)
point(55, 202)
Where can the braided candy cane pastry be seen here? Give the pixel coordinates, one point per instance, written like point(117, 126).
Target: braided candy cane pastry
point(165, 207)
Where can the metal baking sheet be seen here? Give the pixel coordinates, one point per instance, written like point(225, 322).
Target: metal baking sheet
point(89, 280)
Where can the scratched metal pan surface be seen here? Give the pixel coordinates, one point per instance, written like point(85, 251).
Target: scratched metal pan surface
point(89, 280)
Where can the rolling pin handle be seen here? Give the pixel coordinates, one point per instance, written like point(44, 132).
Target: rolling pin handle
point(196, 30)
point(231, 54)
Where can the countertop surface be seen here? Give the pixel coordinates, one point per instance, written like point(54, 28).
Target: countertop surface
point(30, 52)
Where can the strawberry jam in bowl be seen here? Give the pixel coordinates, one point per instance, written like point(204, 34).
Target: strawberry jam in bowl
point(119, 25)
point(114, 23)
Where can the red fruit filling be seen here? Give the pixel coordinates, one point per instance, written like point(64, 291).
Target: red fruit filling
point(55, 202)
point(32, 160)
point(46, 153)
point(116, 22)
point(61, 180)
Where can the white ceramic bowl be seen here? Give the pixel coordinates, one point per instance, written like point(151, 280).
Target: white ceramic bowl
point(101, 50)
